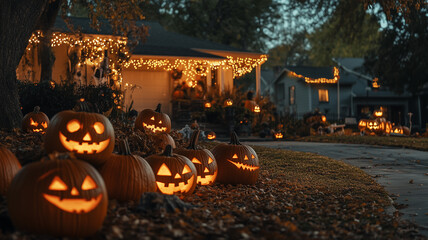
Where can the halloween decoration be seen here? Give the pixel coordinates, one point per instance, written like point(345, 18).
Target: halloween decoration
point(362, 124)
point(9, 166)
point(154, 121)
point(397, 130)
point(35, 121)
point(250, 105)
point(175, 174)
point(228, 102)
point(89, 135)
point(164, 139)
point(256, 109)
point(203, 159)
point(207, 105)
point(237, 163)
point(127, 176)
point(278, 135)
point(211, 135)
point(323, 119)
point(59, 196)
point(377, 113)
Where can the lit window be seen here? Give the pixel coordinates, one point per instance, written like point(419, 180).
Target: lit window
point(323, 95)
point(291, 91)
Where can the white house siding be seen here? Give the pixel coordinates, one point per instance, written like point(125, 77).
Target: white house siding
point(301, 97)
point(153, 87)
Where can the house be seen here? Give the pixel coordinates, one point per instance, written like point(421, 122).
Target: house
point(147, 73)
point(339, 91)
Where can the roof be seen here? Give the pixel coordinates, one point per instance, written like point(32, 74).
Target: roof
point(158, 42)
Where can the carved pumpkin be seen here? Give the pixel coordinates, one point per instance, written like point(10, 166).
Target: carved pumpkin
point(406, 131)
point(323, 119)
point(164, 139)
point(154, 121)
point(127, 176)
point(211, 135)
point(362, 124)
point(256, 109)
point(388, 127)
point(207, 105)
point(237, 163)
point(278, 135)
point(175, 174)
point(89, 135)
point(59, 196)
point(9, 166)
point(228, 102)
point(203, 159)
point(35, 121)
point(377, 113)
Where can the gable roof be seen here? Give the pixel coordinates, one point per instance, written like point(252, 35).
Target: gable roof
point(159, 41)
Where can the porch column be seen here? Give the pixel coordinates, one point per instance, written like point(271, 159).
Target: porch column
point(208, 79)
point(221, 80)
point(258, 77)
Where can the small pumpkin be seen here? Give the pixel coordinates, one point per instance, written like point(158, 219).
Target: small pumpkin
point(164, 139)
point(377, 113)
point(211, 135)
point(154, 121)
point(203, 159)
point(237, 163)
point(35, 121)
point(59, 196)
point(127, 176)
point(362, 125)
point(89, 135)
point(175, 174)
point(9, 166)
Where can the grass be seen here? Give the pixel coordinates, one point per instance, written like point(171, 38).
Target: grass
point(405, 142)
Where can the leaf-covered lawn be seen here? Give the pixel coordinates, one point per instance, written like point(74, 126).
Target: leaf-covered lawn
point(420, 143)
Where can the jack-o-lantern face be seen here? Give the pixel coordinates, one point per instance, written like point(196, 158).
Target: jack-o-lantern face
point(228, 102)
point(154, 121)
point(70, 195)
point(378, 113)
point(89, 135)
point(35, 121)
point(175, 174)
point(203, 159)
point(278, 135)
point(256, 109)
point(237, 163)
point(323, 118)
point(211, 135)
point(372, 125)
point(207, 105)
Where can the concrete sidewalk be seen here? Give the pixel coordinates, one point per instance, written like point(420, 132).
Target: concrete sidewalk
point(403, 172)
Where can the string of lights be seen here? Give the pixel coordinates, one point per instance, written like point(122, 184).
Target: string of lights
point(318, 80)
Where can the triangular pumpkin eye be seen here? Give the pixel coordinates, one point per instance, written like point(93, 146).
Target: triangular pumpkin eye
point(186, 169)
point(195, 160)
point(88, 183)
point(32, 123)
point(152, 118)
point(164, 171)
point(235, 156)
point(160, 122)
point(210, 160)
point(252, 156)
point(57, 184)
point(45, 124)
point(246, 157)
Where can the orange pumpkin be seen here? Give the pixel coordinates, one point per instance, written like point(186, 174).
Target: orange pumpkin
point(35, 121)
point(59, 196)
point(154, 121)
point(9, 166)
point(204, 160)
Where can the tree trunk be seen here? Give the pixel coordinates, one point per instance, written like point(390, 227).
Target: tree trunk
point(18, 20)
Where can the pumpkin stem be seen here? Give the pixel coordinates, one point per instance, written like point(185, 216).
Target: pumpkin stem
point(168, 151)
point(36, 109)
point(158, 108)
point(194, 140)
point(234, 140)
point(124, 147)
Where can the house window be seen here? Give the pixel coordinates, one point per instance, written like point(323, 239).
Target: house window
point(291, 92)
point(280, 92)
point(323, 95)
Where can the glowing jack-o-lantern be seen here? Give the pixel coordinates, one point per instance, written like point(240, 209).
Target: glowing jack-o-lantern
point(59, 196)
point(127, 176)
point(89, 135)
point(323, 118)
point(228, 102)
point(237, 163)
point(35, 121)
point(378, 113)
point(211, 135)
point(9, 166)
point(207, 105)
point(362, 124)
point(203, 159)
point(175, 174)
point(278, 135)
point(154, 121)
point(256, 109)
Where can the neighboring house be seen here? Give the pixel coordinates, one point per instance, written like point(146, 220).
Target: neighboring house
point(149, 74)
point(357, 95)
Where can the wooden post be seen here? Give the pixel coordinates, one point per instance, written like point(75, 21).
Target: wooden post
point(258, 77)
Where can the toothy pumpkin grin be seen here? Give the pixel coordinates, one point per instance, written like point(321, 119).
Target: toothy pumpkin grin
point(83, 147)
point(171, 188)
point(207, 179)
point(74, 205)
point(244, 166)
point(38, 130)
point(153, 128)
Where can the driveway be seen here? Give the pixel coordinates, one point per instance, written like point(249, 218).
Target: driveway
point(403, 172)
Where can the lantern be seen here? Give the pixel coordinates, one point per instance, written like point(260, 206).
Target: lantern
point(237, 163)
point(59, 196)
point(228, 102)
point(154, 121)
point(9, 166)
point(175, 174)
point(203, 159)
point(211, 135)
point(35, 121)
point(89, 135)
point(127, 176)
point(323, 119)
